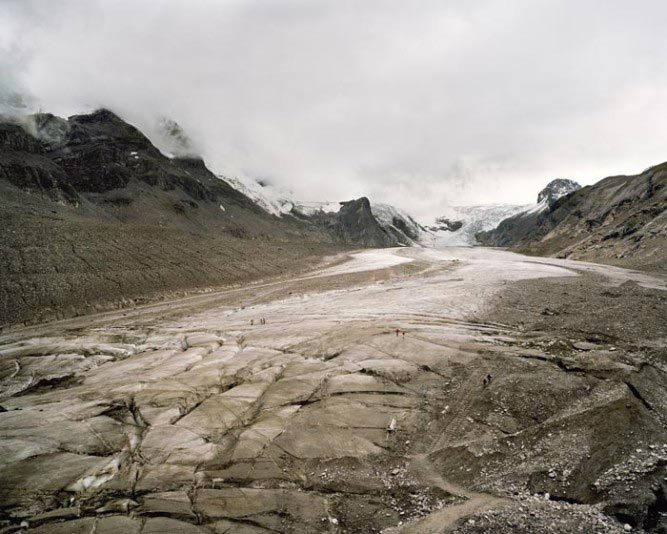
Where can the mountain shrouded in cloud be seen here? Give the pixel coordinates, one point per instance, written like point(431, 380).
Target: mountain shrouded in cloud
point(451, 103)
point(333, 266)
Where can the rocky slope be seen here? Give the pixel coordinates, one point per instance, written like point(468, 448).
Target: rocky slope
point(360, 221)
point(93, 214)
point(619, 220)
point(353, 223)
point(524, 223)
point(400, 224)
point(398, 227)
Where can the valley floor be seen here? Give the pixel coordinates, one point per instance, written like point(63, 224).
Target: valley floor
point(403, 390)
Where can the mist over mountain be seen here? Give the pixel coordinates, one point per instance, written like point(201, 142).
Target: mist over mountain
point(95, 216)
point(455, 104)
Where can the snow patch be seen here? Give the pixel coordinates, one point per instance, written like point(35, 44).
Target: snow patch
point(537, 208)
point(392, 217)
point(311, 208)
point(96, 477)
point(271, 199)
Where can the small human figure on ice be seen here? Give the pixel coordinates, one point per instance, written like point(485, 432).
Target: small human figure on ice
point(252, 322)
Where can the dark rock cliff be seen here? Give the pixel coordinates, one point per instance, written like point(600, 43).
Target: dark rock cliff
point(355, 224)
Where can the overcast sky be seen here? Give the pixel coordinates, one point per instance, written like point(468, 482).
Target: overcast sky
point(421, 104)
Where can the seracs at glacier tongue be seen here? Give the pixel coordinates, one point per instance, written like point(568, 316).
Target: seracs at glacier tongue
point(459, 224)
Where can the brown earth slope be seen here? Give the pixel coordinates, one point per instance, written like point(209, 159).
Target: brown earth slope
point(92, 215)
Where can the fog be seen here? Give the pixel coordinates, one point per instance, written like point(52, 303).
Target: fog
point(420, 104)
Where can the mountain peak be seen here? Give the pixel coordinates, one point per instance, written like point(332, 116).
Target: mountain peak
point(556, 189)
point(102, 115)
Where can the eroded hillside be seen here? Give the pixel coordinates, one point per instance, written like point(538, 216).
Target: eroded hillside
point(620, 220)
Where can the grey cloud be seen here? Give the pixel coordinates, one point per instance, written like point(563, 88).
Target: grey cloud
point(417, 104)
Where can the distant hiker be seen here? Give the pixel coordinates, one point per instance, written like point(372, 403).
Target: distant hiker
point(397, 331)
point(403, 333)
point(252, 322)
point(488, 379)
point(484, 382)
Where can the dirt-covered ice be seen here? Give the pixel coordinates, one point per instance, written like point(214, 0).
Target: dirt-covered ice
point(368, 396)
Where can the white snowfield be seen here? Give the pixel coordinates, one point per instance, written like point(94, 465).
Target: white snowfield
point(368, 260)
point(460, 281)
point(387, 214)
point(311, 208)
point(541, 206)
point(272, 200)
point(277, 201)
point(484, 266)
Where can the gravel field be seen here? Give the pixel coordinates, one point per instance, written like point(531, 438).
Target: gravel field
point(403, 390)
